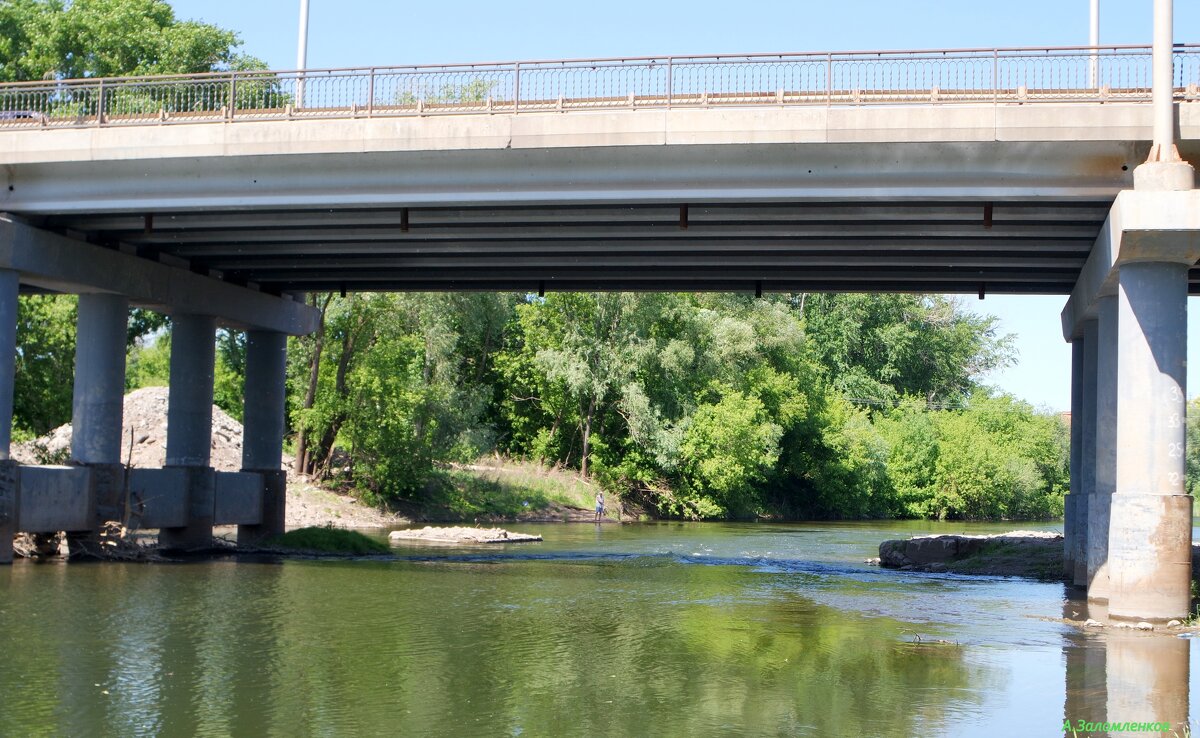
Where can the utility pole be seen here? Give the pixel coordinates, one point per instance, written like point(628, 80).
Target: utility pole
point(1094, 41)
point(302, 53)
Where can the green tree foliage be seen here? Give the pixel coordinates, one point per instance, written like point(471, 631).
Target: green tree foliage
point(994, 459)
point(55, 39)
point(400, 381)
point(882, 347)
point(1193, 445)
point(45, 366)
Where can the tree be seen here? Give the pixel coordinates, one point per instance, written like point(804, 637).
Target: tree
point(882, 347)
point(56, 39)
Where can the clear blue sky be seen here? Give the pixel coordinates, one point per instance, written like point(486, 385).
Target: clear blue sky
point(350, 33)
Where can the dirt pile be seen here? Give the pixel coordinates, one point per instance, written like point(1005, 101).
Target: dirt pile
point(145, 428)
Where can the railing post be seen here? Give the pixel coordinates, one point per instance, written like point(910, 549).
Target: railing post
point(670, 81)
point(516, 86)
point(829, 79)
point(232, 93)
point(100, 105)
point(371, 93)
point(995, 76)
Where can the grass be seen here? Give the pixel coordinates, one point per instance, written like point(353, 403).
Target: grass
point(328, 539)
point(503, 489)
point(1009, 558)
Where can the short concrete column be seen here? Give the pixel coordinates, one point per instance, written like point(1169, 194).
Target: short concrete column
point(9, 290)
point(99, 379)
point(1150, 534)
point(1105, 475)
point(1087, 451)
point(189, 426)
point(262, 437)
point(1071, 523)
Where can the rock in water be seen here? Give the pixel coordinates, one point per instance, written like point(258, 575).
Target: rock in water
point(462, 535)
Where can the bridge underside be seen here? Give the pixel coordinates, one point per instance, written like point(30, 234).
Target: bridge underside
point(922, 246)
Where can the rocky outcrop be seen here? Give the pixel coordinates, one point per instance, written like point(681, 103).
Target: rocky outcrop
point(1036, 554)
point(430, 534)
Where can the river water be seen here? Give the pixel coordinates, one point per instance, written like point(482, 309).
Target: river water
point(656, 629)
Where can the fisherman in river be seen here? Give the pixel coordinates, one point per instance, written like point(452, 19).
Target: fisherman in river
point(599, 505)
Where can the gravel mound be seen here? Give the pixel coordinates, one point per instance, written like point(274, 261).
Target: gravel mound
point(145, 428)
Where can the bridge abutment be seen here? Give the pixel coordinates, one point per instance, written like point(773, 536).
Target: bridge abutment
point(189, 428)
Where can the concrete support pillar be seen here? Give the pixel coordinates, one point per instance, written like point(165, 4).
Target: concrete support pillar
point(1087, 451)
point(9, 289)
point(99, 379)
point(96, 410)
point(1071, 523)
point(189, 426)
point(189, 413)
point(1150, 535)
point(262, 438)
point(1105, 475)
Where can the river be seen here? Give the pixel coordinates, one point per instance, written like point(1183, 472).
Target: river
point(664, 629)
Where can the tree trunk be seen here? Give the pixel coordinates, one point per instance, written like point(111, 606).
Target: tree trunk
point(310, 395)
point(339, 386)
point(587, 437)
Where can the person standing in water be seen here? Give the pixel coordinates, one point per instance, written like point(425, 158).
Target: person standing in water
point(599, 505)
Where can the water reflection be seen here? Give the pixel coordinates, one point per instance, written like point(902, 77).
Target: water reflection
point(1118, 675)
point(663, 630)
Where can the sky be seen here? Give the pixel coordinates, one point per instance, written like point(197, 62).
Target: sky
point(353, 33)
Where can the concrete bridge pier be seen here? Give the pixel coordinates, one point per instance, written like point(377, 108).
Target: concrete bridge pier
point(263, 428)
point(1073, 536)
point(189, 428)
point(1087, 452)
point(97, 407)
point(1104, 421)
point(1150, 538)
point(9, 290)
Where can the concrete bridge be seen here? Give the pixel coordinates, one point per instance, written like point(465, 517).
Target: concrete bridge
point(221, 199)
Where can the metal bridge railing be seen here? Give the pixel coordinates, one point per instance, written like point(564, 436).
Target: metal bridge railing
point(997, 76)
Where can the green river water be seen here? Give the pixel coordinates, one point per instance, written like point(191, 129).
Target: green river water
point(655, 629)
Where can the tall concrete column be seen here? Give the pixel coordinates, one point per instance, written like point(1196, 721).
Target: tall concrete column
point(1150, 535)
point(189, 426)
point(1105, 474)
point(99, 393)
point(1087, 451)
point(9, 289)
point(96, 410)
point(1071, 522)
point(262, 437)
point(189, 412)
